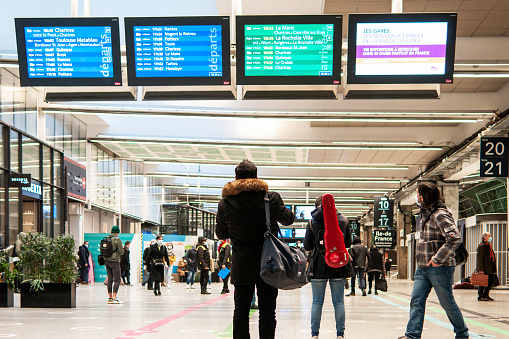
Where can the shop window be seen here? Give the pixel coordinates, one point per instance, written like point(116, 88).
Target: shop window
point(14, 151)
point(14, 201)
point(57, 169)
point(46, 164)
point(47, 210)
point(30, 157)
point(3, 226)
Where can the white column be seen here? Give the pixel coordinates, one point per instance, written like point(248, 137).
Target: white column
point(121, 193)
point(397, 6)
point(86, 8)
point(74, 8)
point(451, 193)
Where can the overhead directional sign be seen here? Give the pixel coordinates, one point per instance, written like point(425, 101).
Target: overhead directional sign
point(384, 212)
point(494, 153)
point(385, 238)
point(354, 227)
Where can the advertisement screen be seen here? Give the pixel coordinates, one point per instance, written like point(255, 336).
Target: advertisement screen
point(178, 51)
point(300, 232)
point(69, 52)
point(401, 48)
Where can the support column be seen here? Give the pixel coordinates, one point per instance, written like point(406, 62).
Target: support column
point(121, 192)
point(451, 193)
point(404, 227)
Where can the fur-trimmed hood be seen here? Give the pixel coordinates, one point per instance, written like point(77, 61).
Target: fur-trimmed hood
point(245, 193)
point(244, 185)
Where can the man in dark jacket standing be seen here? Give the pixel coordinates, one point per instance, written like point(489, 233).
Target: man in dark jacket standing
point(191, 267)
point(203, 263)
point(359, 254)
point(83, 255)
point(125, 265)
point(225, 262)
point(241, 218)
point(147, 277)
point(487, 264)
point(375, 267)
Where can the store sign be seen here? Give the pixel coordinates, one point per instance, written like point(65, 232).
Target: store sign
point(34, 191)
point(494, 152)
point(76, 179)
point(385, 238)
point(20, 180)
point(384, 212)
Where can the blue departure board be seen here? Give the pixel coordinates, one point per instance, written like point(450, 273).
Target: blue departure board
point(69, 52)
point(178, 51)
point(73, 52)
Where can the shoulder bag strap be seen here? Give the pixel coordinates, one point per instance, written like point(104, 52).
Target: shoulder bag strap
point(428, 217)
point(267, 215)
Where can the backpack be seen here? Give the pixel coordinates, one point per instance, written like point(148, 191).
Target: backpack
point(106, 247)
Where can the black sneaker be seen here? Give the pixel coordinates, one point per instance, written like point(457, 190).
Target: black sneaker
point(205, 292)
point(490, 298)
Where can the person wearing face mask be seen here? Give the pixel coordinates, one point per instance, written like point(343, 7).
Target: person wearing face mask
point(437, 242)
point(203, 263)
point(83, 255)
point(156, 258)
point(487, 264)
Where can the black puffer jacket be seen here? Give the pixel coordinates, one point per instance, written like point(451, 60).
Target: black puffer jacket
point(316, 230)
point(375, 261)
point(241, 218)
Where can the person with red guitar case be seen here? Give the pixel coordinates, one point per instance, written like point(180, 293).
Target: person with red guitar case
point(327, 250)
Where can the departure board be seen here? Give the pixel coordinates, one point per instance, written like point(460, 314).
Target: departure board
point(74, 52)
point(178, 51)
point(288, 50)
point(69, 51)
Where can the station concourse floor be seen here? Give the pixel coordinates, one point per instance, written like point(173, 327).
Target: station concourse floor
point(182, 313)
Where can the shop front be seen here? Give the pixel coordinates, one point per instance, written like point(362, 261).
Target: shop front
point(31, 186)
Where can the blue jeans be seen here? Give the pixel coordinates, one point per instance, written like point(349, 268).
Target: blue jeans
point(190, 277)
point(337, 288)
point(359, 271)
point(439, 278)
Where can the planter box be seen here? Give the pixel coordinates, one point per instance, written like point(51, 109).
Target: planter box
point(6, 295)
point(53, 296)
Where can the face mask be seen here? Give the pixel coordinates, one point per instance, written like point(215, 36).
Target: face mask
point(86, 246)
point(490, 239)
point(417, 200)
point(160, 242)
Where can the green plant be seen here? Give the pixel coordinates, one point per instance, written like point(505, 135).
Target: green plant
point(61, 263)
point(35, 250)
point(7, 274)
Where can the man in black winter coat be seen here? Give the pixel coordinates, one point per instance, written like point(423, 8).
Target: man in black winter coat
point(359, 254)
point(241, 218)
point(83, 255)
point(147, 277)
point(203, 263)
point(486, 264)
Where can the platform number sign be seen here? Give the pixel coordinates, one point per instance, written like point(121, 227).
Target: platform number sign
point(384, 212)
point(494, 153)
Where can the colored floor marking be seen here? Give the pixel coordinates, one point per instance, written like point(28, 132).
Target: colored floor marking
point(228, 332)
point(151, 327)
point(467, 320)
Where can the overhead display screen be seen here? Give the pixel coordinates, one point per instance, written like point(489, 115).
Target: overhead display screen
point(289, 50)
point(303, 212)
point(69, 52)
point(287, 232)
point(300, 232)
point(178, 51)
point(401, 48)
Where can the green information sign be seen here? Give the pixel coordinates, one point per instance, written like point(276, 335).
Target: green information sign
point(289, 50)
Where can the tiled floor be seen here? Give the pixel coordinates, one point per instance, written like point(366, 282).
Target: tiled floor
point(182, 313)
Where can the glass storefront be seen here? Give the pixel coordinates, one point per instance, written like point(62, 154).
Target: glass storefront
point(39, 206)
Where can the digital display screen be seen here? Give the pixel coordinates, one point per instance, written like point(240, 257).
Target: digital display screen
point(300, 232)
point(69, 52)
point(303, 212)
point(287, 232)
point(401, 48)
point(74, 52)
point(289, 50)
point(178, 51)
point(286, 50)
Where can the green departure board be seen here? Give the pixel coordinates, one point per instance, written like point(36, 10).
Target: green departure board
point(289, 50)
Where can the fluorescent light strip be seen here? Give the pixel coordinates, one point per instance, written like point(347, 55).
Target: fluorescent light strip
point(256, 145)
point(301, 166)
point(303, 189)
point(480, 75)
point(143, 110)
